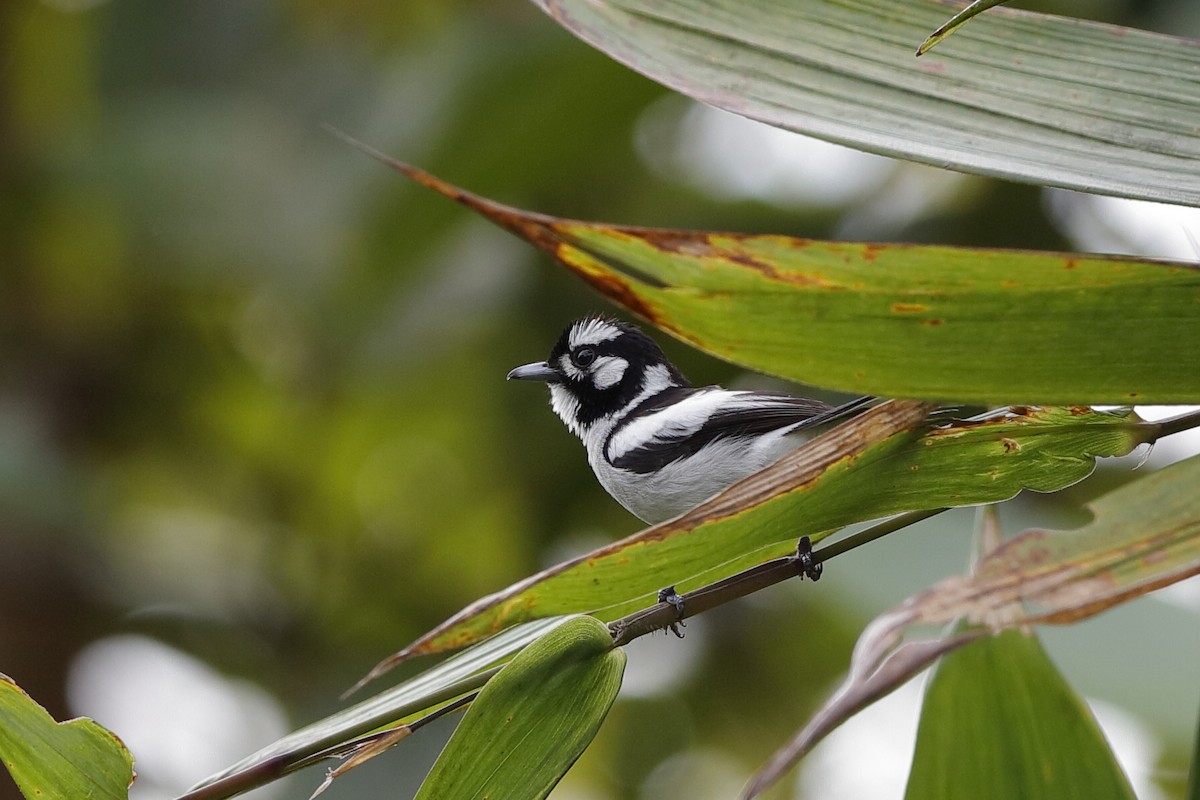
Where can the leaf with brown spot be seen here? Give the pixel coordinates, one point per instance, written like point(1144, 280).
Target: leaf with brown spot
point(412, 701)
point(1000, 721)
point(924, 322)
point(872, 466)
point(1143, 536)
point(375, 745)
point(51, 760)
point(533, 720)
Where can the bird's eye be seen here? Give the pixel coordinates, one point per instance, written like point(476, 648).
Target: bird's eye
point(584, 356)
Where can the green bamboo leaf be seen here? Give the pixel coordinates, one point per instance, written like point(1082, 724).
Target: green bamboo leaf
point(59, 760)
point(928, 322)
point(862, 470)
point(1144, 535)
point(911, 321)
point(409, 700)
point(1030, 97)
point(1000, 721)
point(534, 719)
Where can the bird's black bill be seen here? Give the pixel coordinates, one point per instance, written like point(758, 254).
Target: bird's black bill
point(539, 371)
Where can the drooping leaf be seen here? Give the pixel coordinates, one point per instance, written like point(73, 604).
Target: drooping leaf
point(625, 575)
point(410, 699)
point(1144, 535)
point(361, 749)
point(534, 719)
point(369, 750)
point(999, 721)
point(868, 681)
point(1031, 97)
point(937, 323)
point(865, 469)
point(51, 760)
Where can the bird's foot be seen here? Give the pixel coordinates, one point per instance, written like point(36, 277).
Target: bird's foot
point(675, 600)
point(809, 566)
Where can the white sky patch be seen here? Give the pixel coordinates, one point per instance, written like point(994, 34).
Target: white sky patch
point(1100, 224)
point(180, 718)
point(660, 664)
point(1183, 594)
point(883, 734)
point(1137, 750)
point(732, 157)
point(1176, 447)
point(729, 157)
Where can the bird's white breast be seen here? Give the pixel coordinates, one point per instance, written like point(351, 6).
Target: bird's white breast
point(682, 485)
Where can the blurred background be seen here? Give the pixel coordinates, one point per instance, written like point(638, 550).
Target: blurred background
point(254, 429)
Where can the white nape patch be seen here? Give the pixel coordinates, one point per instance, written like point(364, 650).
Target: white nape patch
point(592, 331)
point(656, 379)
point(608, 370)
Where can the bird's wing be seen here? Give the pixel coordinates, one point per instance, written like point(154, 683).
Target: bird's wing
point(680, 422)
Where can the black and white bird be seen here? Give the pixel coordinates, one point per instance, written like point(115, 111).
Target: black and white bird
point(659, 446)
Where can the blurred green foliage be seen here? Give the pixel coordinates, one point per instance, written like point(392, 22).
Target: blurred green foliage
point(251, 383)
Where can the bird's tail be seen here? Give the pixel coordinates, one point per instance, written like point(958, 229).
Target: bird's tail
point(943, 415)
point(842, 413)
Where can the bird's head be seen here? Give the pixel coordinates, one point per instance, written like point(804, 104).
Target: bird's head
point(598, 368)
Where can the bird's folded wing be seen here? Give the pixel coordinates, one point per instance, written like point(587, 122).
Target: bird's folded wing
point(680, 422)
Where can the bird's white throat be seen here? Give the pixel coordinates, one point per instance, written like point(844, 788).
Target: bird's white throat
point(566, 405)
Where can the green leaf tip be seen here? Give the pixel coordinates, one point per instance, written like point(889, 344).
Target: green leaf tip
point(52, 760)
point(956, 22)
point(534, 719)
point(1000, 721)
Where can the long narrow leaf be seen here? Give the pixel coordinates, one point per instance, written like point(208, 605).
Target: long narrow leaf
point(530, 724)
point(1144, 535)
point(856, 472)
point(625, 576)
point(424, 691)
point(52, 760)
point(937, 323)
point(999, 721)
point(1031, 97)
